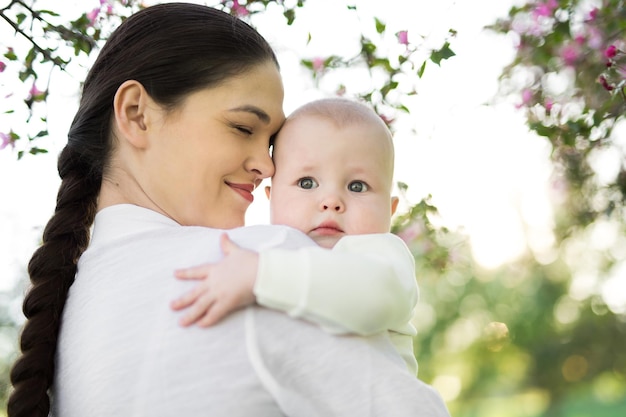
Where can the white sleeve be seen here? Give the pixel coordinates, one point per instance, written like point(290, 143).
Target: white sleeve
point(364, 285)
point(311, 373)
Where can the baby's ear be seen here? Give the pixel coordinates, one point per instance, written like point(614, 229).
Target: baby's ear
point(394, 204)
point(267, 191)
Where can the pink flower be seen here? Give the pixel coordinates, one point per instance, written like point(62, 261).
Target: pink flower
point(411, 233)
point(3, 66)
point(527, 96)
point(36, 94)
point(548, 104)
point(93, 16)
point(595, 38)
point(5, 140)
point(388, 120)
point(610, 51)
point(569, 55)
point(602, 80)
point(593, 14)
point(318, 64)
point(403, 37)
point(545, 9)
point(239, 10)
point(580, 39)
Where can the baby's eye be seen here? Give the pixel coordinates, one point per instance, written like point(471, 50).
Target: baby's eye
point(307, 183)
point(357, 187)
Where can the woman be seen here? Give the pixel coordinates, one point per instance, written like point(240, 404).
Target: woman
point(170, 138)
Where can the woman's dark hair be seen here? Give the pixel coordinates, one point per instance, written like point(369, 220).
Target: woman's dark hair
point(173, 50)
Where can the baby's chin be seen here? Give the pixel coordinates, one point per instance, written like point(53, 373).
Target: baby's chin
point(327, 242)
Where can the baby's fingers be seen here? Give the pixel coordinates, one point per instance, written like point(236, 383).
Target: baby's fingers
point(217, 312)
point(196, 272)
point(187, 299)
point(197, 311)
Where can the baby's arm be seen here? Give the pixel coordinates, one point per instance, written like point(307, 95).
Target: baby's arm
point(365, 285)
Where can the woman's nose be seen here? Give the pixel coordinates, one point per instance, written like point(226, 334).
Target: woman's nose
point(261, 164)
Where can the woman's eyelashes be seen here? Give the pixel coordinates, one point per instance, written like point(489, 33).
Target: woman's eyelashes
point(243, 129)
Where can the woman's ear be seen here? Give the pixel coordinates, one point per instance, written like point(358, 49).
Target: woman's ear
point(130, 105)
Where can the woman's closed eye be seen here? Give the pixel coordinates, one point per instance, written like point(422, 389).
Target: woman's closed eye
point(307, 183)
point(243, 129)
point(358, 187)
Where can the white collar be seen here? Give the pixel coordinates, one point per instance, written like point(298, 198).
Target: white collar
point(120, 220)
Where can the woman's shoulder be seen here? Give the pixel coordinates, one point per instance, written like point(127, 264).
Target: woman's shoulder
point(259, 237)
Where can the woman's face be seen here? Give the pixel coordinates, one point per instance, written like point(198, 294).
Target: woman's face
point(208, 155)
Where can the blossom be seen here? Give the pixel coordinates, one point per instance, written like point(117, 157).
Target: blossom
point(545, 9)
point(403, 37)
point(527, 96)
point(36, 94)
point(93, 16)
point(5, 140)
point(2, 66)
point(569, 54)
point(239, 9)
point(595, 39)
point(602, 80)
point(548, 104)
point(593, 14)
point(610, 51)
point(412, 232)
point(388, 120)
point(318, 64)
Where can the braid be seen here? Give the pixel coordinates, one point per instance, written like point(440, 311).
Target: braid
point(52, 269)
point(211, 46)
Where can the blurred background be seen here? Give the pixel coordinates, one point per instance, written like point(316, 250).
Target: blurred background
point(508, 121)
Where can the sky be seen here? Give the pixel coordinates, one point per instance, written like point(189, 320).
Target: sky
point(488, 176)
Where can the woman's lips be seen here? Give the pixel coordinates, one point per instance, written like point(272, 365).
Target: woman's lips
point(244, 190)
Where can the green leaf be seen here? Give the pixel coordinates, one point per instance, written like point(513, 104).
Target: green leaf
point(444, 53)
point(10, 55)
point(49, 12)
point(380, 26)
point(36, 150)
point(541, 129)
point(41, 134)
point(420, 72)
point(290, 15)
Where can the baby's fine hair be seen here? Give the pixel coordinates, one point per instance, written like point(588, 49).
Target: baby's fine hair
point(343, 113)
point(173, 50)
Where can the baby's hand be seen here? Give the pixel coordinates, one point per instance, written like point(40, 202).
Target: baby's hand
point(226, 286)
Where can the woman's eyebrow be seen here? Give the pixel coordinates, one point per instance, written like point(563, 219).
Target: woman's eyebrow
point(264, 117)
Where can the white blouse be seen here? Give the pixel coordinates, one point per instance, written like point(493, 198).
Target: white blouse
point(121, 351)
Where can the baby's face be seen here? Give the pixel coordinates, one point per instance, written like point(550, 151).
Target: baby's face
point(331, 182)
